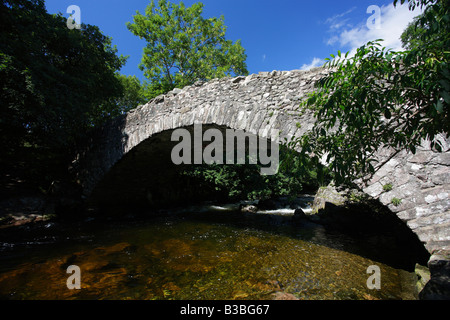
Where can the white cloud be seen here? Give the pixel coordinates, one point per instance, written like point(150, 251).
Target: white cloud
point(332, 40)
point(336, 21)
point(264, 57)
point(316, 62)
point(394, 21)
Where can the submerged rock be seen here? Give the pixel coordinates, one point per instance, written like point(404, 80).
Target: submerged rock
point(248, 208)
point(283, 296)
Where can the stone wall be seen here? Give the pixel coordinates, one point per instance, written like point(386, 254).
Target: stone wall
point(420, 182)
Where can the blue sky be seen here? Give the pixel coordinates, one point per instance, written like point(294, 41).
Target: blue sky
point(277, 35)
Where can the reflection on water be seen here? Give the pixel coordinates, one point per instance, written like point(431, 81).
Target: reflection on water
point(209, 255)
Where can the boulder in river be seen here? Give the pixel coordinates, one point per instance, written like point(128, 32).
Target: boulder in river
point(248, 208)
point(299, 213)
point(326, 195)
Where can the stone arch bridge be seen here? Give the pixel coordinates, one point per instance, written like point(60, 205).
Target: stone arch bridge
point(258, 104)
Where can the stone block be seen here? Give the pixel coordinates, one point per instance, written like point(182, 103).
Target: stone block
point(406, 215)
point(441, 177)
point(374, 190)
point(441, 159)
point(437, 196)
point(416, 167)
point(430, 220)
point(421, 157)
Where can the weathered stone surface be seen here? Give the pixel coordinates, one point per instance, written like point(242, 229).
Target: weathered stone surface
point(423, 276)
point(326, 195)
point(248, 208)
point(421, 182)
point(438, 286)
point(266, 101)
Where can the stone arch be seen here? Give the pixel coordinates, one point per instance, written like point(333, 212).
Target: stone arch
point(260, 104)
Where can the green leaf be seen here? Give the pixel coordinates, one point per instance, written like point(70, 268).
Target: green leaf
point(439, 107)
point(445, 84)
point(446, 96)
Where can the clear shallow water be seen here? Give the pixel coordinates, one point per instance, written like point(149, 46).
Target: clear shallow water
point(207, 255)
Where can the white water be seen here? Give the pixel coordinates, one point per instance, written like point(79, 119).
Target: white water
point(304, 200)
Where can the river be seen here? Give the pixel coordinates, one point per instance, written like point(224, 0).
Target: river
point(210, 252)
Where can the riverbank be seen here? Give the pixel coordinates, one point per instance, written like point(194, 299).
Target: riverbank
point(36, 207)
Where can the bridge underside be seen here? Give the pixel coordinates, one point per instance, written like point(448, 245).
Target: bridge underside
point(146, 178)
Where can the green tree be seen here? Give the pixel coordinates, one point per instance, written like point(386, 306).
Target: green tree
point(411, 36)
point(56, 85)
point(54, 81)
point(419, 30)
point(381, 98)
point(183, 47)
point(133, 95)
point(244, 181)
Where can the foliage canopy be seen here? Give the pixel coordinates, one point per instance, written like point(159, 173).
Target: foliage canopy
point(183, 47)
point(54, 81)
point(381, 98)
